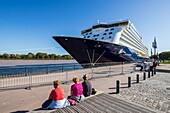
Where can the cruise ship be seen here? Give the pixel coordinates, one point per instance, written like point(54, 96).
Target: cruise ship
point(106, 42)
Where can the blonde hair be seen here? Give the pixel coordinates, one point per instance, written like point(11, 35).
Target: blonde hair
point(56, 83)
point(75, 79)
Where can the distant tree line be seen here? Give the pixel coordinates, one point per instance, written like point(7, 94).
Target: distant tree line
point(37, 56)
point(164, 56)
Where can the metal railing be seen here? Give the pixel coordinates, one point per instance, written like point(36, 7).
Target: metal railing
point(26, 77)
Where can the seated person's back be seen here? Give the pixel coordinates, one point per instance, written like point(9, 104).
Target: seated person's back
point(76, 90)
point(57, 96)
point(87, 87)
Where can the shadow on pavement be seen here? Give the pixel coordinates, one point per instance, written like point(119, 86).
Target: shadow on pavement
point(22, 111)
point(120, 87)
point(112, 93)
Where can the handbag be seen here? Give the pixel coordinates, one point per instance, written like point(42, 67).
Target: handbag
point(72, 102)
point(46, 103)
point(94, 91)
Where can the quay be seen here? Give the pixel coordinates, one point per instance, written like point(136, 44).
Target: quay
point(150, 95)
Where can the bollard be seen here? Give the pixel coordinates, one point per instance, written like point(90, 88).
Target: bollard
point(129, 81)
point(117, 86)
point(137, 78)
point(144, 76)
point(148, 73)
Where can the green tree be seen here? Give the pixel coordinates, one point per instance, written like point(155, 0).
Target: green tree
point(12, 56)
point(23, 56)
point(52, 56)
point(1, 56)
point(67, 57)
point(17, 56)
point(38, 55)
point(30, 55)
point(6, 56)
point(45, 56)
point(58, 57)
point(164, 55)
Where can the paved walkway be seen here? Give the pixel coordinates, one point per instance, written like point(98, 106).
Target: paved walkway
point(153, 93)
point(23, 100)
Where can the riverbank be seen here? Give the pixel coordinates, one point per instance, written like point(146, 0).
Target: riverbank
point(33, 62)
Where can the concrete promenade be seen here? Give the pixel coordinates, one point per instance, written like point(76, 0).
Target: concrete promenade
point(22, 100)
point(153, 92)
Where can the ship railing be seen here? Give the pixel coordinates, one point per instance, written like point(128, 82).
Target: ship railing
point(30, 76)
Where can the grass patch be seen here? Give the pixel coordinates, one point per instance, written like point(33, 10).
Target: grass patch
point(165, 62)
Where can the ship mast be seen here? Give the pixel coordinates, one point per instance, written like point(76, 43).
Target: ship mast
point(154, 45)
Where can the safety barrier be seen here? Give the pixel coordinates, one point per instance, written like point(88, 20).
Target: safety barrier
point(28, 80)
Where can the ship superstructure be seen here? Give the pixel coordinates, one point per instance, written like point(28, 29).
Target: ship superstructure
point(121, 33)
point(106, 42)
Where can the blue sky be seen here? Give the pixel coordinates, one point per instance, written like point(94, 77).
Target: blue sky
point(28, 25)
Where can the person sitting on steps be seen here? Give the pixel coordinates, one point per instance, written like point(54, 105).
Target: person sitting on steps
point(57, 96)
point(87, 86)
point(76, 92)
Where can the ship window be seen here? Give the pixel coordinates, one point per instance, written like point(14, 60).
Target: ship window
point(107, 30)
point(110, 32)
point(95, 38)
point(90, 33)
point(86, 33)
point(102, 38)
point(88, 37)
point(97, 35)
point(104, 33)
point(94, 35)
point(110, 37)
point(112, 29)
point(84, 36)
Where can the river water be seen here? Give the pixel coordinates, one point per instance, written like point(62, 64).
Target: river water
point(24, 67)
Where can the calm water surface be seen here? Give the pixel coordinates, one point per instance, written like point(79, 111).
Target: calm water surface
point(37, 68)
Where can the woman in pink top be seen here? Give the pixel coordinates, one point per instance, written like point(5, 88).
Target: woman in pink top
point(77, 90)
